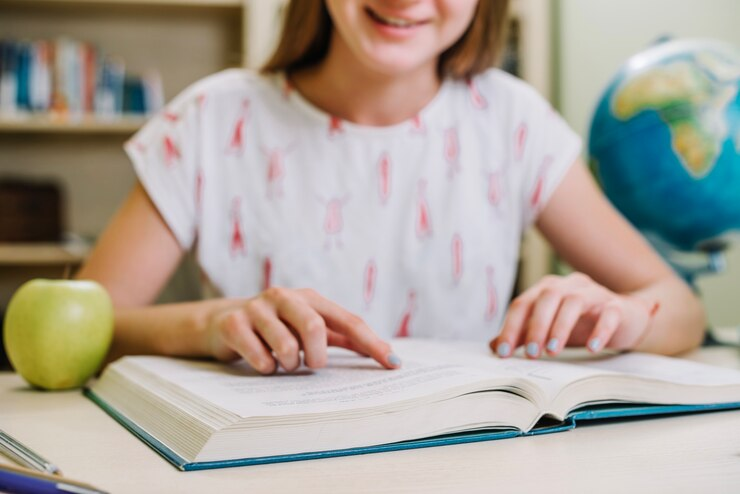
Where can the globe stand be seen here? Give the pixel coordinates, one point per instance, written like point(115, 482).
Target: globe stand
point(693, 265)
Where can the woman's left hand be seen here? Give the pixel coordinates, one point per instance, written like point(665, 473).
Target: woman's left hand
point(572, 310)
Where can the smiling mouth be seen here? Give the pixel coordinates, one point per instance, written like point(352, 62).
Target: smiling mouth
point(392, 21)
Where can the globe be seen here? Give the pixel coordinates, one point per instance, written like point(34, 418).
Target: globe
point(664, 144)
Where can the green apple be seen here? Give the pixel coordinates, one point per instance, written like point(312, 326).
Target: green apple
point(57, 332)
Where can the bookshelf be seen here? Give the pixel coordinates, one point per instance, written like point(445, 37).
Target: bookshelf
point(43, 254)
point(185, 40)
point(49, 124)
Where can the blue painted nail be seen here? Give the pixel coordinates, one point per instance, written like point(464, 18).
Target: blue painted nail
point(393, 359)
point(533, 349)
point(552, 345)
point(503, 349)
point(594, 344)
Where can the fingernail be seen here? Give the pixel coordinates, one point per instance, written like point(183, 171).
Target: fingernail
point(594, 344)
point(552, 345)
point(393, 360)
point(503, 349)
point(533, 349)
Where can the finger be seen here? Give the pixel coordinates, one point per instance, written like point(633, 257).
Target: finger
point(342, 341)
point(569, 313)
point(354, 328)
point(276, 334)
point(512, 332)
point(606, 326)
point(543, 313)
point(307, 323)
point(238, 334)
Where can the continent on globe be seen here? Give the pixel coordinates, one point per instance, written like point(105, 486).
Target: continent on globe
point(689, 100)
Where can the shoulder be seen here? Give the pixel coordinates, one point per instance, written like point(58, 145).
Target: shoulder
point(499, 80)
point(508, 91)
point(226, 84)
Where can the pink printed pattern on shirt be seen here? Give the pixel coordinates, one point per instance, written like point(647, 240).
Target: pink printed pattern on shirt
point(275, 170)
point(171, 151)
point(457, 258)
point(199, 184)
point(266, 273)
point(491, 296)
point(423, 214)
point(417, 125)
point(237, 137)
point(479, 101)
point(535, 199)
point(238, 244)
point(452, 152)
point(370, 279)
point(404, 327)
point(384, 178)
point(520, 141)
point(495, 188)
point(336, 127)
point(171, 117)
point(333, 221)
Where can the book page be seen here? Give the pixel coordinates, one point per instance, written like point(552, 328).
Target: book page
point(431, 371)
point(545, 375)
point(348, 382)
point(673, 370)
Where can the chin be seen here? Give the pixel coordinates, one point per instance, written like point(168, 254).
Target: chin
point(397, 62)
point(394, 68)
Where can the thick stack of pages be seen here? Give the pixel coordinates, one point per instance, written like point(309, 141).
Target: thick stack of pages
point(200, 414)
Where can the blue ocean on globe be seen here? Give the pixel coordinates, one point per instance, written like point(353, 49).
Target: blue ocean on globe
point(665, 143)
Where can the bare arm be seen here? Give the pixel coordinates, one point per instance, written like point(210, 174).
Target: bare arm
point(630, 298)
point(138, 253)
point(133, 260)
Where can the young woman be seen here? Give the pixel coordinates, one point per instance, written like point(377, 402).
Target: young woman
point(374, 181)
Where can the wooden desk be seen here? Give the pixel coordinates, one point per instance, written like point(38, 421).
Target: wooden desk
point(693, 453)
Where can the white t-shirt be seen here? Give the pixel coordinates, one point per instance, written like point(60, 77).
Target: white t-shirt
point(414, 227)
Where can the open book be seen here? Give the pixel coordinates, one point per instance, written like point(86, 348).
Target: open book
point(200, 414)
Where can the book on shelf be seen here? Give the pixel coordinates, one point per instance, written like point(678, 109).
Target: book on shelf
point(202, 414)
point(70, 78)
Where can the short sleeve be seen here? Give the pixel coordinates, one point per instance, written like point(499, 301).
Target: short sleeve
point(546, 147)
point(165, 156)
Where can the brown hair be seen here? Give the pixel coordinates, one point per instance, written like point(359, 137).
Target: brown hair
point(307, 32)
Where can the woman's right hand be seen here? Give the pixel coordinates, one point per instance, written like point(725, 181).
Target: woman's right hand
point(272, 328)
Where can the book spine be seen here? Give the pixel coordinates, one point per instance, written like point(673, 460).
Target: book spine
point(23, 81)
point(9, 77)
point(107, 95)
point(73, 87)
point(153, 92)
point(59, 96)
point(89, 77)
point(40, 93)
point(72, 78)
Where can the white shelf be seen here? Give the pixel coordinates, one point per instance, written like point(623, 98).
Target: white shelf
point(52, 124)
point(42, 254)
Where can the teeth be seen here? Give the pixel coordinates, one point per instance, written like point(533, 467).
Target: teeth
point(393, 21)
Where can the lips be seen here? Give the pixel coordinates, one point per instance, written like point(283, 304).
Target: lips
point(392, 21)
